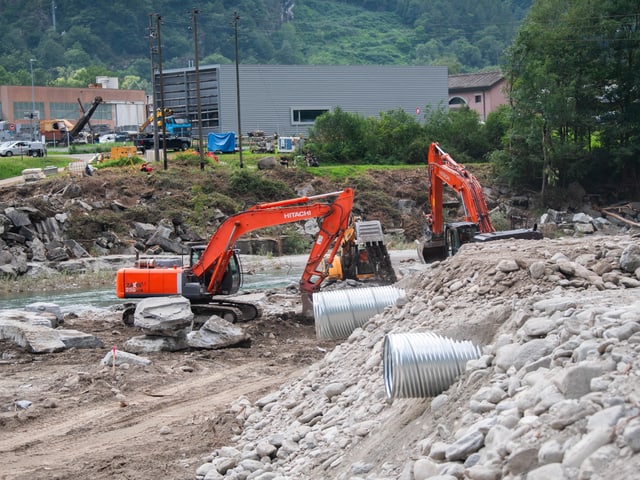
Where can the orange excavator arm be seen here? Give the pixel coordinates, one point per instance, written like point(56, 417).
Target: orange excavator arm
point(335, 219)
point(443, 169)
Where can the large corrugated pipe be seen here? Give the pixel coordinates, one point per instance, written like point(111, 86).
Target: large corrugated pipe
point(422, 365)
point(337, 313)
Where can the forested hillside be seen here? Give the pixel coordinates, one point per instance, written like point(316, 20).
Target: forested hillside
point(71, 41)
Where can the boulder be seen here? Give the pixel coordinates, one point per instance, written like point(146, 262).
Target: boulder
point(216, 333)
point(267, 163)
point(169, 316)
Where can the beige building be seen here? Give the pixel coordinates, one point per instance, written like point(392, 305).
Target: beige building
point(482, 92)
point(120, 109)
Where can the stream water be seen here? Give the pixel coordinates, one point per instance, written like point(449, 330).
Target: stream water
point(105, 296)
point(259, 273)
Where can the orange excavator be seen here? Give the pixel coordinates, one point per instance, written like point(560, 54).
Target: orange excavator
point(214, 270)
point(444, 239)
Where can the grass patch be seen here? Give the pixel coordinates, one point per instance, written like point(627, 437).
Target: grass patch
point(337, 173)
point(13, 166)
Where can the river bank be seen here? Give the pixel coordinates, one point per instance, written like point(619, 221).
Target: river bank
point(554, 394)
point(95, 283)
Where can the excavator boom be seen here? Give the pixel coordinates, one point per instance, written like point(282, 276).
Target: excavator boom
point(214, 270)
point(335, 217)
point(443, 169)
point(159, 114)
point(444, 239)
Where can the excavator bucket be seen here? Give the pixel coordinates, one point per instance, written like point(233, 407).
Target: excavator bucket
point(431, 251)
point(373, 257)
point(363, 255)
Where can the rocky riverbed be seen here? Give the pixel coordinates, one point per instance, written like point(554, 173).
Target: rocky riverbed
point(554, 394)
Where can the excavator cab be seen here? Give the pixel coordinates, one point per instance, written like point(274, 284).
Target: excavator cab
point(459, 233)
point(196, 289)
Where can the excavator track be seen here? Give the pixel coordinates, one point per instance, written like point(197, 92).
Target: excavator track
point(230, 310)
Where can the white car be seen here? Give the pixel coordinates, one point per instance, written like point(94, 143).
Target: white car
point(113, 137)
point(22, 147)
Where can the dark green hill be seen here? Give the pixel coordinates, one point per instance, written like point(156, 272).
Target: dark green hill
point(73, 40)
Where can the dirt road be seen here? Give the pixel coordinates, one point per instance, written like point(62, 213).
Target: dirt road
point(91, 421)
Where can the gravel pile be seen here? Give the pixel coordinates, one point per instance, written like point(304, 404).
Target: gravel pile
point(554, 394)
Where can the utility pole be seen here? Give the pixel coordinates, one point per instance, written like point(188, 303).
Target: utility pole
point(197, 66)
point(33, 100)
point(235, 22)
point(153, 51)
point(164, 124)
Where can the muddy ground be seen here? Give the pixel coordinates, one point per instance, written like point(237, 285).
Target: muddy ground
point(88, 420)
point(92, 421)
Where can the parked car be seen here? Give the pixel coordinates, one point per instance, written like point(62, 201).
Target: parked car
point(22, 147)
point(145, 142)
point(114, 137)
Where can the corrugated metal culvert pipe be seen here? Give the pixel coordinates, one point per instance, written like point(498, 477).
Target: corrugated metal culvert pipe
point(422, 365)
point(337, 313)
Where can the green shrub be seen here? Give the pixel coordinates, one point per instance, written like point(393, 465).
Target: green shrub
point(294, 242)
point(258, 187)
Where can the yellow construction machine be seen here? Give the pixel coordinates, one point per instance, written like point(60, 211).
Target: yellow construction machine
point(363, 255)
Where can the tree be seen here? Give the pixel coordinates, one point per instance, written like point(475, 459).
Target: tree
point(459, 131)
point(340, 137)
point(5, 77)
point(397, 138)
point(496, 127)
point(572, 70)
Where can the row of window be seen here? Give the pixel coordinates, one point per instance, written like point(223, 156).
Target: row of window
point(301, 116)
point(462, 101)
point(69, 111)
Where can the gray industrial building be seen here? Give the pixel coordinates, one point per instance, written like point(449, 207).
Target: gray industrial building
point(286, 99)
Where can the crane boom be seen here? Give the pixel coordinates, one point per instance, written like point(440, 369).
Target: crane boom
point(84, 119)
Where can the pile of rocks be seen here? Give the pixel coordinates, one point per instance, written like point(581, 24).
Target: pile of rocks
point(167, 325)
point(555, 393)
point(36, 240)
point(38, 329)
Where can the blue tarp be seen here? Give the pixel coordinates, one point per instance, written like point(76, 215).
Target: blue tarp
point(222, 142)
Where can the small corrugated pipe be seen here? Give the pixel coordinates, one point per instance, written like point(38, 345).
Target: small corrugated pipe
point(337, 313)
point(423, 365)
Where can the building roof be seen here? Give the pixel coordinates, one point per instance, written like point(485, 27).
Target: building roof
point(474, 80)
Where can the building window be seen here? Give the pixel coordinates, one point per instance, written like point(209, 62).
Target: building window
point(64, 110)
point(306, 116)
point(478, 98)
point(103, 112)
point(23, 109)
point(457, 101)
